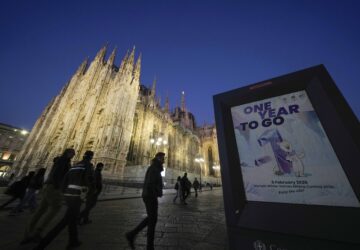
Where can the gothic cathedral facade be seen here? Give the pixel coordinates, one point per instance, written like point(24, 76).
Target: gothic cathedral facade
point(106, 109)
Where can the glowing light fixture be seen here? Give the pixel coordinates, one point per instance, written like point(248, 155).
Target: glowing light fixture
point(24, 132)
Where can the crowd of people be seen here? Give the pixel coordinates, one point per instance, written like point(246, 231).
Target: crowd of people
point(72, 184)
point(79, 184)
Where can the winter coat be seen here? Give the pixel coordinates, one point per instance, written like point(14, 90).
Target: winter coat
point(196, 184)
point(58, 171)
point(79, 180)
point(18, 188)
point(153, 185)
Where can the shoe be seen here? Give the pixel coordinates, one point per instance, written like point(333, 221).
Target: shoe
point(130, 238)
point(74, 245)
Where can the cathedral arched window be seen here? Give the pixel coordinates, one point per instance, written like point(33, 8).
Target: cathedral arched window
point(131, 155)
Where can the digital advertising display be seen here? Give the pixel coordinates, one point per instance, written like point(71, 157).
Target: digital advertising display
point(289, 152)
point(285, 154)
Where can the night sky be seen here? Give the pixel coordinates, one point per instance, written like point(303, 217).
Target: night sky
point(200, 47)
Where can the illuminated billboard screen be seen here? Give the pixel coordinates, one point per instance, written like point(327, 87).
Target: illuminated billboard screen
point(285, 154)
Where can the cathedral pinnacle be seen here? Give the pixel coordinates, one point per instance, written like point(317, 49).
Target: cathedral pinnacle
point(112, 57)
point(138, 64)
point(124, 60)
point(101, 54)
point(83, 66)
point(131, 57)
point(167, 105)
point(153, 88)
point(183, 101)
point(137, 69)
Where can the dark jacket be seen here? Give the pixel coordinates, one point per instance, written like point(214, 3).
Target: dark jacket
point(79, 179)
point(58, 171)
point(36, 182)
point(153, 185)
point(185, 183)
point(18, 188)
point(196, 184)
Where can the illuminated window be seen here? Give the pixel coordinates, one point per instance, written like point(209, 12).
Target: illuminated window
point(6, 155)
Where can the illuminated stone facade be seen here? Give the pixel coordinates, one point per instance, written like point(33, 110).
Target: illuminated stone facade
point(104, 108)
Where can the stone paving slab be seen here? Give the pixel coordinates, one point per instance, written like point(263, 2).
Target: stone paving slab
point(198, 225)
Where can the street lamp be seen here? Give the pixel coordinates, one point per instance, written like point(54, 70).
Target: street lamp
point(216, 167)
point(200, 160)
point(156, 143)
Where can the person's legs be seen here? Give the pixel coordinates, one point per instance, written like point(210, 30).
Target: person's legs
point(152, 212)
point(32, 201)
point(130, 236)
point(43, 207)
point(90, 204)
point(24, 201)
point(55, 231)
point(8, 202)
point(54, 202)
point(73, 204)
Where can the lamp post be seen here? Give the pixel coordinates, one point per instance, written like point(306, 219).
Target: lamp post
point(216, 168)
point(200, 160)
point(156, 142)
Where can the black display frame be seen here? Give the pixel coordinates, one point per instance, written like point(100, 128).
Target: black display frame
point(321, 222)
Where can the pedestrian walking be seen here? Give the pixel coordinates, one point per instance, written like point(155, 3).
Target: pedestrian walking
point(178, 189)
point(152, 189)
point(92, 196)
point(186, 186)
point(52, 197)
point(17, 190)
point(196, 186)
point(76, 182)
point(29, 199)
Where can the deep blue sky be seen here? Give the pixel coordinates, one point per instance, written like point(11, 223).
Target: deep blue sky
point(201, 47)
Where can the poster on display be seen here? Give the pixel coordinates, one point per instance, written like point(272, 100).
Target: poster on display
point(286, 156)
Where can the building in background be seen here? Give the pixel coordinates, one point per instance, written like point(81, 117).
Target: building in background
point(11, 141)
point(105, 108)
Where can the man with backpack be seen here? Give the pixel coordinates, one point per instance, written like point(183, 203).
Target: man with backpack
point(77, 181)
point(92, 195)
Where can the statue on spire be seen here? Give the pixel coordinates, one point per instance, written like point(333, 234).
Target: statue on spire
point(183, 101)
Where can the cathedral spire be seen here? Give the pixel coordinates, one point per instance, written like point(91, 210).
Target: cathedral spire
point(124, 60)
point(131, 57)
point(167, 105)
point(101, 54)
point(153, 87)
point(82, 66)
point(183, 101)
point(159, 101)
point(137, 68)
point(112, 57)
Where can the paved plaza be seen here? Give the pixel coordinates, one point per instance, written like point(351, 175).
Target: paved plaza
point(198, 225)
